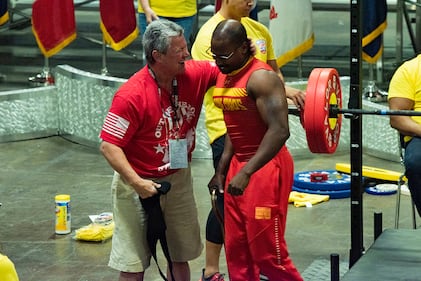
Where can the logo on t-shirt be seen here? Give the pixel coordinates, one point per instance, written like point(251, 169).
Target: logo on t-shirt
point(168, 126)
point(261, 46)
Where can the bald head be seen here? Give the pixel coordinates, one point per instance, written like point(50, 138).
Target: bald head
point(230, 31)
point(230, 46)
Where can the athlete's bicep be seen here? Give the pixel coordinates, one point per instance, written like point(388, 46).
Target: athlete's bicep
point(269, 92)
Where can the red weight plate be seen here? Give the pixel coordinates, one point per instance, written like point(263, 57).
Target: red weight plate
point(320, 112)
point(333, 96)
point(335, 124)
point(309, 108)
point(323, 90)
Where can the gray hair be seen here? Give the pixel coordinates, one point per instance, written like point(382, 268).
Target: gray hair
point(158, 36)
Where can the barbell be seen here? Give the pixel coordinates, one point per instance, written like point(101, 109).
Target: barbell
point(321, 117)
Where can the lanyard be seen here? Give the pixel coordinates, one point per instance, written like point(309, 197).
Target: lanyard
point(177, 147)
point(174, 98)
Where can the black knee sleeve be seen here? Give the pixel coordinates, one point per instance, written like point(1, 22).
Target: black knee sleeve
point(213, 226)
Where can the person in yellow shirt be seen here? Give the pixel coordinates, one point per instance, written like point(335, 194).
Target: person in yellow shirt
point(405, 94)
point(7, 269)
point(215, 125)
point(182, 12)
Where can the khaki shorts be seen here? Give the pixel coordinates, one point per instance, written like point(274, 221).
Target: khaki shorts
point(130, 251)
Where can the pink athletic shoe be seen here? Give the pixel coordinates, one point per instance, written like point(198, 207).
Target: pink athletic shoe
point(214, 277)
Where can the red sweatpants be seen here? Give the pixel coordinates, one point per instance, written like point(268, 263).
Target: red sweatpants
point(255, 223)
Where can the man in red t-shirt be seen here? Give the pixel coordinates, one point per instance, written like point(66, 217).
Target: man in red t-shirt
point(148, 137)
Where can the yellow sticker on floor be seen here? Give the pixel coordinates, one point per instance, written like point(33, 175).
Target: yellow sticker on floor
point(262, 213)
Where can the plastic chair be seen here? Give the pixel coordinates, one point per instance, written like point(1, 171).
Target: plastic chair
point(403, 180)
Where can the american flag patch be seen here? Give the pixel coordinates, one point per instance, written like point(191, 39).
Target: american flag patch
point(115, 125)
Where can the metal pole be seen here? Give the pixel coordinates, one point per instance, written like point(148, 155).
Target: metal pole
point(104, 70)
point(379, 65)
point(46, 72)
point(370, 72)
point(355, 101)
point(300, 67)
point(399, 43)
point(378, 224)
point(334, 111)
point(410, 31)
point(371, 90)
point(418, 26)
point(334, 267)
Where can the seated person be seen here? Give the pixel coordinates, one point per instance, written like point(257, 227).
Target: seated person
point(405, 94)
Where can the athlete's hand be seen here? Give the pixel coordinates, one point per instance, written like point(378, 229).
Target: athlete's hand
point(216, 183)
point(238, 184)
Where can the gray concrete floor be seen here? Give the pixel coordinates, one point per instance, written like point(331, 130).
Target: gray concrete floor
point(34, 171)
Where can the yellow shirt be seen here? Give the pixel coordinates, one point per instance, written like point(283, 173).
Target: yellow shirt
point(7, 269)
point(171, 8)
point(406, 83)
point(261, 38)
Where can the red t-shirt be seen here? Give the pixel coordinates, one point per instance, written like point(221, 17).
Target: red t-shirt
point(141, 121)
